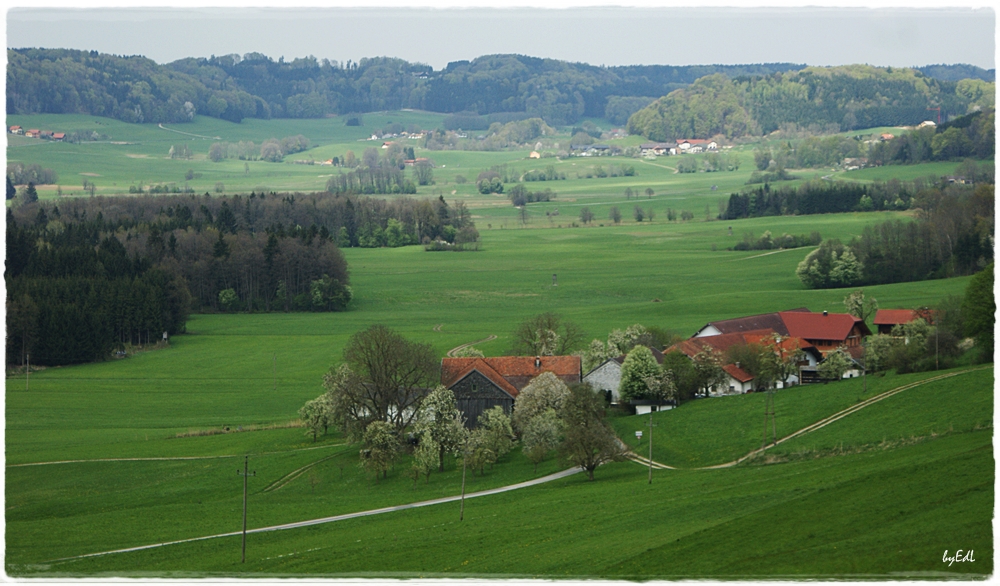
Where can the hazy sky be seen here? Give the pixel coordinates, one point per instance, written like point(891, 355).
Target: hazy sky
point(596, 35)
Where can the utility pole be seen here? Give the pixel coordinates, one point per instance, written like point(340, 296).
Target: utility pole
point(275, 362)
point(650, 445)
point(864, 366)
point(27, 370)
point(769, 414)
point(461, 509)
point(245, 474)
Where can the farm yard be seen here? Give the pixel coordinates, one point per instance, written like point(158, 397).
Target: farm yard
point(140, 451)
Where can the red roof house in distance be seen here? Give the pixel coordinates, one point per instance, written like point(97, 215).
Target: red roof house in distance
point(886, 319)
point(480, 384)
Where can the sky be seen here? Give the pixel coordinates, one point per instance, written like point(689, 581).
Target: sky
point(598, 35)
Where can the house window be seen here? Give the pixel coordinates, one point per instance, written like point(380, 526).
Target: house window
point(475, 387)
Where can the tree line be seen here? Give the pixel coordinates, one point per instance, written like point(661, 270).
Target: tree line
point(952, 235)
point(821, 197)
point(854, 96)
point(233, 87)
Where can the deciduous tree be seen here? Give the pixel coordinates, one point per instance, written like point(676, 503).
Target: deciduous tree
point(546, 391)
point(589, 439)
point(382, 379)
point(541, 435)
point(638, 366)
point(441, 421)
point(380, 446)
point(546, 334)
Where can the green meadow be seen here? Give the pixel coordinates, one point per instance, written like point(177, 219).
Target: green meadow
point(137, 155)
point(143, 450)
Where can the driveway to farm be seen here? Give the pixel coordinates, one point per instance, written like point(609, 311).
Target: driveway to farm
point(809, 428)
point(299, 524)
point(456, 349)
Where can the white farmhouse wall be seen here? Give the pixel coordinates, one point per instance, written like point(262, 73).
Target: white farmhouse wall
point(606, 377)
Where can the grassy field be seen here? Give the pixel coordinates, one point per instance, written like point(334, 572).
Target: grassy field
point(222, 374)
point(136, 155)
point(117, 420)
point(820, 514)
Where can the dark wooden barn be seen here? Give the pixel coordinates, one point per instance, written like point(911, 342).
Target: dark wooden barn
point(480, 384)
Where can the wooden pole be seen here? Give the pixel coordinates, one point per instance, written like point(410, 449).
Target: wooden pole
point(245, 474)
point(461, 509)
point(27, 370)
point(651, 445)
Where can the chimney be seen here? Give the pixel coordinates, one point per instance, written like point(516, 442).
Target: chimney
point(825, 313)
point(538, 362)
point(737, 365)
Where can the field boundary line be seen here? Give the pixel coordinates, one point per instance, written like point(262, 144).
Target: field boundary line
point(343, 517)
point(287, 478)
point(765, 254)
point(809, 428)
point(456, 349)
point(162, 127)
point(167, 458)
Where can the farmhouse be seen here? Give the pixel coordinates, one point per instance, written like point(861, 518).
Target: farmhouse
point(696, 145)
point(658, 148)
point(826, 331)
point(886, 319)
point(739, 380)
point(32, 133)
point(606, 377)
point(483, 383)
point(16, 130)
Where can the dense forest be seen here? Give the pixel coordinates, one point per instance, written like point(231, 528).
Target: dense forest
point(849, 97)
point(92, 275)
point(233, 87)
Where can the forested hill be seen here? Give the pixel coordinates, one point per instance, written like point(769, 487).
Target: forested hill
point(233, 87)
point(847, 97)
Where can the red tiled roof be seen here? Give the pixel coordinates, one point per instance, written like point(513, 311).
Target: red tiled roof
point(515, 371)
point(763, 321)
point(737, 373)
point(817, 326)
point(480, 365)
point(891, 317)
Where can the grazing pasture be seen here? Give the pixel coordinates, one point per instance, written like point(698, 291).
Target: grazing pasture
point(143, 450)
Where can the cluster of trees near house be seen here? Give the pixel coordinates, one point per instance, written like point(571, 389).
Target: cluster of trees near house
point(967, 137)
point(952, 235)
point(938, 339)
point(971, 136)
point(851, 96)
point(385, 391)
